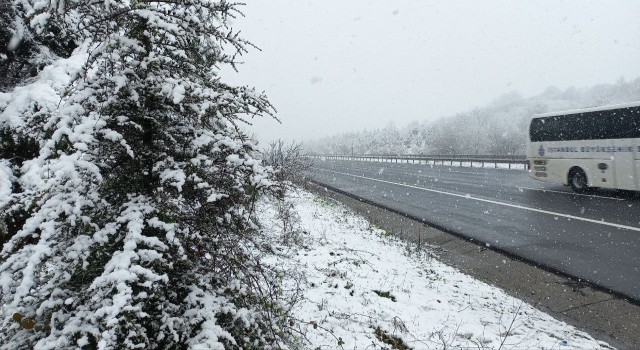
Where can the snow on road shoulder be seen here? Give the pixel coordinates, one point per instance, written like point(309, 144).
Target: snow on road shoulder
point(365, 289)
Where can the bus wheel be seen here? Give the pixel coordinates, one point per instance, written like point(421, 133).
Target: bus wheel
point(578, 180)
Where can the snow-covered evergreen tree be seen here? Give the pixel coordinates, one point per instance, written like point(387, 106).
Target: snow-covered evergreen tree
point(126, 186)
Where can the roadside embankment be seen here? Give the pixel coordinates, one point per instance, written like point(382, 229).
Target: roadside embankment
point(602, 315)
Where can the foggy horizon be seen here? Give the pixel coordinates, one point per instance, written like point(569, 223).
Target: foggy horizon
point(336, 67)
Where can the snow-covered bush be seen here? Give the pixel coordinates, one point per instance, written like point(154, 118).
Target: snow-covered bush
point(126, 186)
point(288, 162)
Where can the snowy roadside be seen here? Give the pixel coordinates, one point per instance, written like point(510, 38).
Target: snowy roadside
point(363, 288)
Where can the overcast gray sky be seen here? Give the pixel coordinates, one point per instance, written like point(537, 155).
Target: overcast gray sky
point(331, 66)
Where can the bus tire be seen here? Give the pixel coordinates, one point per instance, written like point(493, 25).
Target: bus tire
point(578, 180)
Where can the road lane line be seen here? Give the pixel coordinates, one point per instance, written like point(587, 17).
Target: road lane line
point(437, 177)
point(605, 223)
point(570, 193)
point(518, 187)
point(459, 172)
point(463, 172)
point(457, 183)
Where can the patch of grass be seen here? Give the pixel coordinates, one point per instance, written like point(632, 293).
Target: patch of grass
point(325, 202)
point(385, 294)
point(467, 335)
point(606, 346)
point(395, 342)
point(384, 233)
point(554, 336)
point(511, 333)
point(578, 335)
point(484, 341)
point(335, 273)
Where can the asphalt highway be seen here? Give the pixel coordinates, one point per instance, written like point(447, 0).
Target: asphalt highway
point(593, 236)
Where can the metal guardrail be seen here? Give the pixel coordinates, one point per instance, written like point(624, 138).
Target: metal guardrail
point(459, 160)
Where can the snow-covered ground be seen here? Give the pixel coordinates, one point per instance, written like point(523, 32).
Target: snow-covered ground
point(365, 289)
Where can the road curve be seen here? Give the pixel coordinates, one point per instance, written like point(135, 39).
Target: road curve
point(594, 237)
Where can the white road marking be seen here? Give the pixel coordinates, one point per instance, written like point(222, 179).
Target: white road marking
point(457, 171)
point(570, 193)
point(458, 183)
point(437, 179)
point(462, 172)
point(600, 222)
point(519, 187)
point(440, 173)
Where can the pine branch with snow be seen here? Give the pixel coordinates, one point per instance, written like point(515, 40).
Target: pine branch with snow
point(129, 216)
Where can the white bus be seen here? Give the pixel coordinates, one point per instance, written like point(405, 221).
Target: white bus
point(591, 147)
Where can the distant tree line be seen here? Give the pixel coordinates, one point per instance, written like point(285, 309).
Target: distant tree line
point(498, 129)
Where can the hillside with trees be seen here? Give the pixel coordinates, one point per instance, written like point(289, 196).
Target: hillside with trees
point(496, 129)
